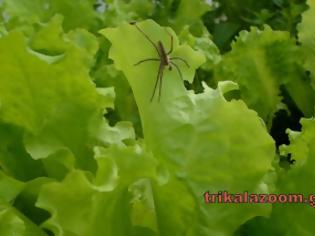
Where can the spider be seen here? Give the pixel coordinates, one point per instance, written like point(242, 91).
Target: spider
point(163, 57)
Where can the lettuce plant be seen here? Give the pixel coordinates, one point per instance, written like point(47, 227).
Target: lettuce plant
point(84, 152)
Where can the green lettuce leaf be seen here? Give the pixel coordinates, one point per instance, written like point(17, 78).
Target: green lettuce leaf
point(43, 90)
point(260, 62)
point(188, 13)
point(9, 187)
point(175, 13)
point(119, 11)
point(292, 218)
point(23, 14)
point(203, 141)
point(12, 221)
point(14, 159)
point(105, 204)
point(306, 36)
point(298, 179)
point(204, 44)
point(51, 94)
point(125, 107)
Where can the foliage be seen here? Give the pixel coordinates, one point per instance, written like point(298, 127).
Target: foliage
point(83, 150)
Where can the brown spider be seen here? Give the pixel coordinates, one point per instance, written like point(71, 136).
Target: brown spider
point(164, 59)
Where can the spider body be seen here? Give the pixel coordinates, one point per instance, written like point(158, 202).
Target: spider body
point(164, 58)
point(163, 55)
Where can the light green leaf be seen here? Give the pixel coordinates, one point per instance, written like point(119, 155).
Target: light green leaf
point(22, 14)
point(77, 14)
point(142, 74)
point(262, 61)
point(13, 222)
point(307, 36)
point(25, 201)
point(189, 13)
point(176, 14)
point(203, 141)
point(203, 44)
point(125, 106)
point(9, 187)
point(14, 159)
point(298, 179)
point(100, 205)
point(10, 224)
point(58, 105)
point(49, 38)
point(119, 11)
point(292, 219)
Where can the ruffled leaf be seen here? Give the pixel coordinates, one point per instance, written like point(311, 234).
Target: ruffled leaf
point(204, 142)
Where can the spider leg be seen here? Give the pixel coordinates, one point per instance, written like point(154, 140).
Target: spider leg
point(160, 85)
point(178, 70)
point(161, 67)
point(149, 59)
point(181, 59)
point(147, 37)
point(171, 48)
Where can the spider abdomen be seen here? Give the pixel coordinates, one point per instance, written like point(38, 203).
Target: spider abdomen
point(163, 55)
